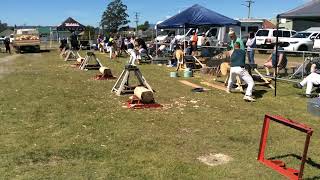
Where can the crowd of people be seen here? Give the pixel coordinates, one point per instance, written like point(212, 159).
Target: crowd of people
point(238, 52)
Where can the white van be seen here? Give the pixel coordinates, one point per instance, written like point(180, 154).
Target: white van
point(216, 36)
point(266, 38)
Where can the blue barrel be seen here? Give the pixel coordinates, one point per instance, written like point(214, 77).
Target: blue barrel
point(187, 74)
point(314, 106)
point(173, 74)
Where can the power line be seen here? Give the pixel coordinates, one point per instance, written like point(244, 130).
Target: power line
point(249, 6)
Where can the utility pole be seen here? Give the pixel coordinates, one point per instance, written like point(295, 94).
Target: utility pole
point(249, 5)
point(136, 19)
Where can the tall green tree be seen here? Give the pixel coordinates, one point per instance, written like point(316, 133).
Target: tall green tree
point(114, 16)
point(3, 26)
point(89, 33)
point(144, 26)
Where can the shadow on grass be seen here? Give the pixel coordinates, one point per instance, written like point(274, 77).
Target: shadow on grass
point(309, 161)
point(259, 93)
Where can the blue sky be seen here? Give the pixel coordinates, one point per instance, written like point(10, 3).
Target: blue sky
point(88, 12)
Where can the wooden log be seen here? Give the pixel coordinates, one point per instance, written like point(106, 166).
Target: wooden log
point(106, 72)
point(80, 59)
point(144, 94)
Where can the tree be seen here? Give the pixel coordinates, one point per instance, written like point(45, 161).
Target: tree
point(3, 26)
point(145, 26)
point(114, 16)
point(89, 33)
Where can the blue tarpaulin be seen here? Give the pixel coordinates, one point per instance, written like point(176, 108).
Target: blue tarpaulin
point(197, 16)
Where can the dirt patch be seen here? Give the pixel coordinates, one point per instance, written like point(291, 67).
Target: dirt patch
point(214, 159)
point(4, 62)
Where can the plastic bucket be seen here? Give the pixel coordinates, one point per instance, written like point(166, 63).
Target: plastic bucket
point(173, 74)
point(314, 106)
point(187, 74)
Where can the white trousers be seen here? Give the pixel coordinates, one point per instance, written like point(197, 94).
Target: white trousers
point(312, 79)
point(244, 75)
point(133, 56)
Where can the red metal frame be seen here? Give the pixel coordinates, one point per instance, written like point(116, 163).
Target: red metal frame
point(278, 165)
point(135, 103)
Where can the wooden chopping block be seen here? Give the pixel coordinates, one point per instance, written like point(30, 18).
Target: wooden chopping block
point(105, 71)
point(80, 59)
point(224, 67)
point(144, 94)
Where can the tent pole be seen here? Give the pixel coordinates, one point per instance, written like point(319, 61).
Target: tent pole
point(277, 58)
point(156, 42)
point(184, 38)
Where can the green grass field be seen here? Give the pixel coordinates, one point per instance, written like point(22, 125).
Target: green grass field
point(57, 123)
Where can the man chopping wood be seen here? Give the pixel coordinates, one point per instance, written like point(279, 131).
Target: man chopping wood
point(238, 58)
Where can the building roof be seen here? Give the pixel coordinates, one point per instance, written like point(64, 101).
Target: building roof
point(308, 11)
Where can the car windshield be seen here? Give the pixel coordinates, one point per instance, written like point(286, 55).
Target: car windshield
point(262, 33)
point(301, 35)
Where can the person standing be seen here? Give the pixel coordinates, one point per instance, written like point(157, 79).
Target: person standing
point(233, 37)
point(251, 44)
point(194, 41)
point(7, 45)
point(238, 58)
point(180, 57)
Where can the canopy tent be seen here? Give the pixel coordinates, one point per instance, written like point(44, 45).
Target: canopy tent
point(197, 16)
point(71, 25)
point(308, 12)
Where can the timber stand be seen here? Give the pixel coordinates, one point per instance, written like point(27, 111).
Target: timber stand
point(85, 65)
point(71, 55)
point(122, 85)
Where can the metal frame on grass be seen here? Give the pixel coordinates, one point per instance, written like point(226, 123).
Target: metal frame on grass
point(278, 165)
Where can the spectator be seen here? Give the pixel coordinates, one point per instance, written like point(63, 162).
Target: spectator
point(7, 45)
point(180, 57)
point(251, 44)
point(100, 43)
point(272, 61)
point(312, 79)
point(74, 41)
point(194, 41)
point(233, 37)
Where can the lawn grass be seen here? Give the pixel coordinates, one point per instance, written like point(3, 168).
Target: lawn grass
point(57, 123)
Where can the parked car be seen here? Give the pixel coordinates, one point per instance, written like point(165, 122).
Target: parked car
point(266, 38)
point(316, 43)
point(302, 41)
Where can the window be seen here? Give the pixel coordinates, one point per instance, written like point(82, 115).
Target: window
point(286, 34)
point(262, 33)
point(243, 28)
point(253, 29)
point(279, 33)
point(313, 35)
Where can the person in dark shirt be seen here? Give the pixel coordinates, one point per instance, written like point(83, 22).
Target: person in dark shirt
point(238, 58)
point(74, 41)
point(272, 61)
point(7, 45)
